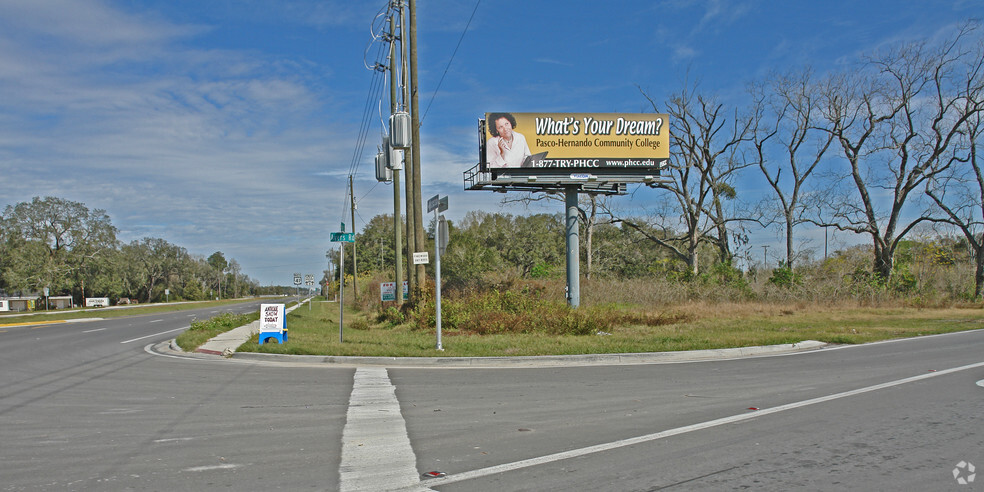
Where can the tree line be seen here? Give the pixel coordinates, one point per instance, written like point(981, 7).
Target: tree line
point(487, 250)
point(71, 250)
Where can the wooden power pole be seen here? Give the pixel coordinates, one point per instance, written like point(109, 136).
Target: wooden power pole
point(418, 213)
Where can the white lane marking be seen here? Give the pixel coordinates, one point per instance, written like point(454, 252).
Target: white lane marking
point(174, 439)
point(155, 321)
point(90, 331)
point(575, 453)
point(981, 383)
point(156, 334)
point(120, 411)
point(376, 451)
point(227, 466)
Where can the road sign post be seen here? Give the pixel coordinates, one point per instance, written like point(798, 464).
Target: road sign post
point(297, 287)
point(341, 237)
point(309, 282)
point(438, 205)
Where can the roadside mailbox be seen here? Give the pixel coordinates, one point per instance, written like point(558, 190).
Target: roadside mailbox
point(273, 322)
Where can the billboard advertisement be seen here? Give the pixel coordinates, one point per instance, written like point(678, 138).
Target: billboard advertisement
point(569, 141)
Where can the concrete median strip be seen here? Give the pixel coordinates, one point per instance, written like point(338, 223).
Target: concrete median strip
point(376, 451)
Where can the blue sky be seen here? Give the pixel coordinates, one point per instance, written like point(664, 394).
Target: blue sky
point(231, 126)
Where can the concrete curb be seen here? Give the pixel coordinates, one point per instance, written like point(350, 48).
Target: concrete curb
point(503, 362)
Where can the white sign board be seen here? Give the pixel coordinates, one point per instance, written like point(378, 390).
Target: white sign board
point(421, 258)
point(4, 305)
point(387, 291)
point(272, 318)
point(96, 302)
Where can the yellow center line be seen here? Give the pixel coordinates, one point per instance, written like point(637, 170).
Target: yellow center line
point(41, 323)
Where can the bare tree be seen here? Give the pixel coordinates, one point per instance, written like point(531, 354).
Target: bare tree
point(959, 194)
point(705, 153)
point(786, 111)
point(896, 121)
point(235, 269)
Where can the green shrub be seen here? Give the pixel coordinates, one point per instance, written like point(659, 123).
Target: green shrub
point(784, 276)
point(511, 311)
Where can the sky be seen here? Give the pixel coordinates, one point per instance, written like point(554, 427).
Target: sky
point(233, 126)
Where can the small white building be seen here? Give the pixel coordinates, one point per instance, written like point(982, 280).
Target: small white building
point(21, 303)
point(60, 302)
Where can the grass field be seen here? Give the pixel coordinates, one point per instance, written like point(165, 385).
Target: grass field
point(692, 326)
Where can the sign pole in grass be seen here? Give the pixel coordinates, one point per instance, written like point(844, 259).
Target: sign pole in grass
point(438, 205)
point(342, 237)
point(341, 293)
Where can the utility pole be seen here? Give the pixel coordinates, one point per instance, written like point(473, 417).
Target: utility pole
point(418, 214)
point(397, 215)
point(411, 159)
point(355, 270)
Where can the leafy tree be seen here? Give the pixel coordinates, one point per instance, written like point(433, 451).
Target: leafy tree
point(152, 262)
point(375, 246)
point(589, 206)
point(219, 264)
point(56, 239)
point(467, 258)
point(536, 240)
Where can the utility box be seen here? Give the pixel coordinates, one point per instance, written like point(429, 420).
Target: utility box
point(400, 130)
point(383, 173)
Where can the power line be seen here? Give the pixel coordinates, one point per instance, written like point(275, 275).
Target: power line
point(449, 61)
point(373, 95)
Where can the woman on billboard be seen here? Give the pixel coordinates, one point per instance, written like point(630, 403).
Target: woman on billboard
point(506, 148)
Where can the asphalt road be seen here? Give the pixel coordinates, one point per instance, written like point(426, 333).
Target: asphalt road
point(90, 406)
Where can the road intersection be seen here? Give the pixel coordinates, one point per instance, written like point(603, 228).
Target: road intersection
point(119, 409)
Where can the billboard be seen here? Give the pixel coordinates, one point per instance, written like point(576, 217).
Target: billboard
point(551, 142)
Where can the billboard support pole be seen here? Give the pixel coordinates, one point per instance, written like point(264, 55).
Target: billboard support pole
point(573, 248)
